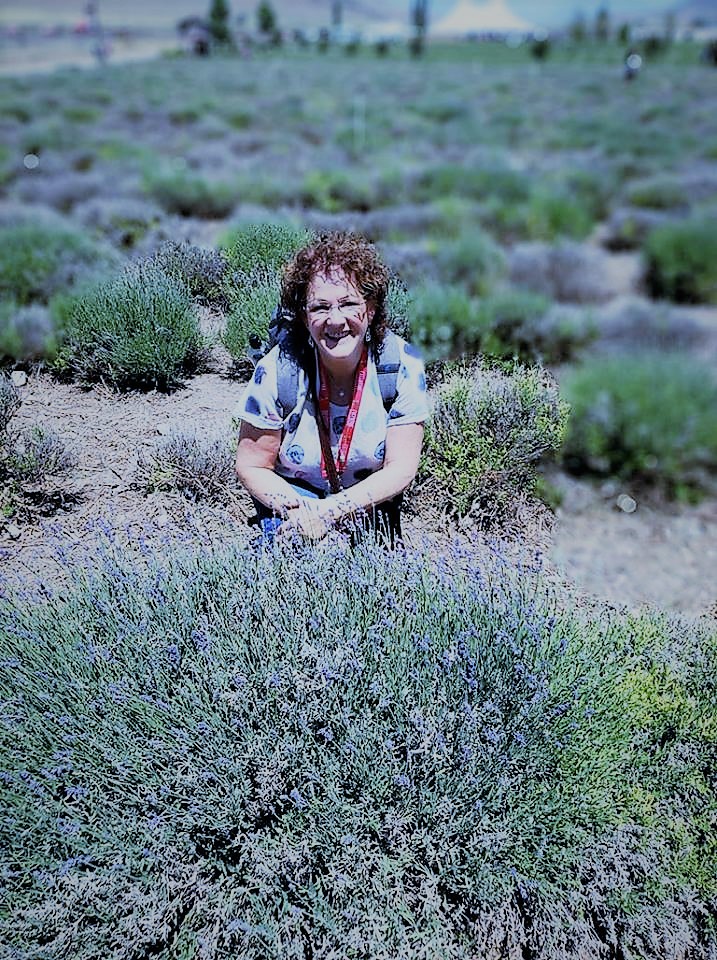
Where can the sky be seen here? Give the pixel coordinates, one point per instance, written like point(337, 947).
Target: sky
point(544, 13)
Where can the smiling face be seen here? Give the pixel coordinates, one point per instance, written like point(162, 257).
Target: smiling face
point(337, 317)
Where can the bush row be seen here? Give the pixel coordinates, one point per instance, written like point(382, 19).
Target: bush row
point(141, 329)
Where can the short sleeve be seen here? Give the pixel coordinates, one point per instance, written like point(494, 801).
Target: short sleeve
point(259, 404)
point(411, 403)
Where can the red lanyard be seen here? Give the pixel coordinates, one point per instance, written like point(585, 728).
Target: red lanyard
point(348, 431)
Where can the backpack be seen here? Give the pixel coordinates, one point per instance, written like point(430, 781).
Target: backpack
point(288, 370)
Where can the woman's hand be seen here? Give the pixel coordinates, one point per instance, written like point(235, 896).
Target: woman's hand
point(310, 519)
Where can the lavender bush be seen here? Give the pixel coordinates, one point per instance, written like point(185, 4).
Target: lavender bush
point(191, 195)
point(137, 330)
point(200, 466)
point(202, 270)
point(26, 333)
point(525, 325)
point(32, 457)
point(263, 245)
point(39, 260)
point(487, 432)
point(245, 753)
point(649, 420)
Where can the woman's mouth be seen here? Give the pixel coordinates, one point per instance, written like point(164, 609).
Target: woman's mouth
point(332, 339)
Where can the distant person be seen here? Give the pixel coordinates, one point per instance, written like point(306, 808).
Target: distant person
point(332, 421)
point(100, 45)
point(633, 65)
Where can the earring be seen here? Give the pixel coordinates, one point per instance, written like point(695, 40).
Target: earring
point(367, 337)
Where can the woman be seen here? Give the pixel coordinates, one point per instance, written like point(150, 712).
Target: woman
point(335, 454)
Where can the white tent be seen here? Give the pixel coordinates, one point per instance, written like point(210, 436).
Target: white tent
point(493, 16)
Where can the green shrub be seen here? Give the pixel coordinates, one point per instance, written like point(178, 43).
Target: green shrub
point(39, 260)
point(256, 254)
point(649, 420)
point(551, 214)
point(259, 754)
point(487, 431)
point(136, 330)
point(478, 183)
point(681, 261)
point(659, 193)
point(594, 189)
point(253, 299)
point(335, 190)
point(43, 136)
point(197, 465)
point(191, 195)
point(442, 108)
point(81, 114)
point(262, 246)
point(443, 321)
point(524, 325)
point(472, 259)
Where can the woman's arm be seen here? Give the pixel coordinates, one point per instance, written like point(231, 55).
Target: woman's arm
point(403, 451)
point(257, 453)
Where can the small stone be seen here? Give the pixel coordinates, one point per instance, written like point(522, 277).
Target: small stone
point(19, 378)
point(12, 530)
point(626, 503)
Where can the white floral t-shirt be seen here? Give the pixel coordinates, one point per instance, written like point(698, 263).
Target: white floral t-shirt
point(300, 451)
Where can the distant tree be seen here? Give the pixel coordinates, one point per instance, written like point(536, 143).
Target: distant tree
point(540, 47)
point(219, 21)
point(578, 30)
point(623, 34)
point(324, 41)
point(337, 14)
point(602, 25)
point(653, 46)
point(419, 19)
point(266, 19)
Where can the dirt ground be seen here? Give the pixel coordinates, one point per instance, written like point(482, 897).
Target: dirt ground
point(659, 554)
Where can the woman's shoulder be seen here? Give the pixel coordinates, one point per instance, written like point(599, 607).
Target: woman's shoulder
point(396, 345)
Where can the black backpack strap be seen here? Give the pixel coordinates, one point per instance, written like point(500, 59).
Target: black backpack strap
point(287, 382)
point(388, 365)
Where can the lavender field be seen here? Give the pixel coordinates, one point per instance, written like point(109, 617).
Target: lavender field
point(499, 741)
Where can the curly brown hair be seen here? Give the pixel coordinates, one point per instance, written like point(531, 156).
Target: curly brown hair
point(357, 258)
